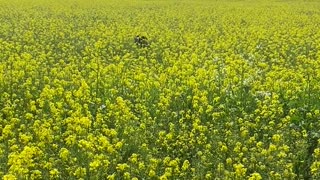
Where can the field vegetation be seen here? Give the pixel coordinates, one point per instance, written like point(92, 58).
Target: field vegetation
point(215, 89)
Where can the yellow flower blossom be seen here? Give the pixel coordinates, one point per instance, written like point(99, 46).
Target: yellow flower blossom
point(126, 175)
point(185, 165)
point(316, 153)
point(94, 165)
point(54, 173)
point(255, 176)
point(240, 170)
point(276, 138)
point(152, 173)
point(272, 147)
point(122, 167)
point(80, 172)
point(9, 177)
point(64, 154)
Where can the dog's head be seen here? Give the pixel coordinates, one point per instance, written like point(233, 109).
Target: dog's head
point(141, 41)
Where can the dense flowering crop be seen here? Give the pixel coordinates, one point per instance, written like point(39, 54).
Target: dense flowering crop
point(212, 90)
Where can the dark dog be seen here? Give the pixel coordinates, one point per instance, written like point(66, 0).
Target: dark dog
point(141, 41)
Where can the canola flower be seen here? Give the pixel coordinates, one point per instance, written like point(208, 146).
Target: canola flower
point(222, 90)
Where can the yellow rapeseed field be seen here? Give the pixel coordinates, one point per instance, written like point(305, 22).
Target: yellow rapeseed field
point(159, 89)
